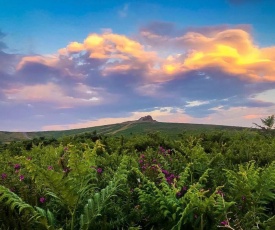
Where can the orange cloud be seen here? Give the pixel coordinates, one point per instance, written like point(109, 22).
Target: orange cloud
point(75, 47)
point(45, 60)
point(231, 50)
point(114, 49)
point(110, 46)
point(252, 116)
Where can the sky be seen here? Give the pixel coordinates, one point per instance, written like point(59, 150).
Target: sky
point(67, 64)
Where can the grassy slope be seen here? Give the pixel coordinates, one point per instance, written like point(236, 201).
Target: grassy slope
point(126, 128)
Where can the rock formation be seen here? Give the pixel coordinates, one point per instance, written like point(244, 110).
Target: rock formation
point(147, 118)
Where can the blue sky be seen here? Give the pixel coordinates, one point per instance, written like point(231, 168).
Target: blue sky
point(71, 64)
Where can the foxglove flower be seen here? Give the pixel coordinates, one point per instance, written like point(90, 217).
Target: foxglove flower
point(4, 176)
point(50, 167)
point(99, 170)
point(17, 166)
point(42, 200)
point(21, 177)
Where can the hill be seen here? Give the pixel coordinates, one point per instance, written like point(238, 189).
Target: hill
point(143, 125)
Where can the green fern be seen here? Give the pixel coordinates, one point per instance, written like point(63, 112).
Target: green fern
point(36, 215)
point(102, 199)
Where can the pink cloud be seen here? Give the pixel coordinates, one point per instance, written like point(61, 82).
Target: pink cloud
point(56, 95)
point(50, 61)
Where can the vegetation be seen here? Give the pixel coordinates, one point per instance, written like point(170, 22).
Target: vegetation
point(125, 129)
point(203, 180)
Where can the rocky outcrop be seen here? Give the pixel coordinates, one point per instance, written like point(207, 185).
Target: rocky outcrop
point(147, 118)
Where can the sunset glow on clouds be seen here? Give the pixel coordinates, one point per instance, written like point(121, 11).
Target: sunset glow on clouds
point(217, 74)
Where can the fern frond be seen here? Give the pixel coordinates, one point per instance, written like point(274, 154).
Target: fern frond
point(96, 204)
point(36, 215)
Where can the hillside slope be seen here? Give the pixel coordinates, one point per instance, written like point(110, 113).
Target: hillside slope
point(125, 128)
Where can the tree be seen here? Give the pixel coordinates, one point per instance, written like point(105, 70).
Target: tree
point(267, 122)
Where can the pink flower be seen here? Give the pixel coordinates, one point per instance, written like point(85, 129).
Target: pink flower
point(42, 200)
point(99, 170)
point(184, 188)
point(17, 166)
point(4, 176)
point(50, 167)
point(220, 193)
point(224, 222)
point(21, 177)
point(66, 170)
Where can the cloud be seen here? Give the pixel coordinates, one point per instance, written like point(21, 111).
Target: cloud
point(230, 50)
point(267, 96)
point(7, 60)
point(201, 72)
point(110, 46)
point(196, 103)
point(55, 95)
point(124, 11)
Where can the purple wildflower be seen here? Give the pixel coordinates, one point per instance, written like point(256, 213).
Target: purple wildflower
point(161, 149)
point(50, 167)
point(224, 222)
point(17, 166)
point(184, 188)
point(99, 170)
point(220, 193)
point(165, 172)
point(42, 200)
point(178, 194)
point(21, 177)
point(4, 176)
point(66, 170)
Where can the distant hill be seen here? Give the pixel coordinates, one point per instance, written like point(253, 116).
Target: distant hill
point(143, 125)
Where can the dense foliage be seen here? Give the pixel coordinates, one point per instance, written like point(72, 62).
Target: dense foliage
point(205, 181)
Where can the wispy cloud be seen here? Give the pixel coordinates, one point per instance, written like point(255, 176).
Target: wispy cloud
point(123, 13)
